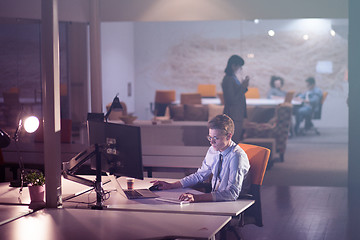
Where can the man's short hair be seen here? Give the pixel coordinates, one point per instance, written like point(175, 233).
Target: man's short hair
point(310, 80)
point(222, 122)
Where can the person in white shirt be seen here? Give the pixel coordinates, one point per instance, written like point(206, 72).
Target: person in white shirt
point(225, 160)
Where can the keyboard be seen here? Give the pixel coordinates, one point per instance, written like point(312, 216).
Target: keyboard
point(172, 200)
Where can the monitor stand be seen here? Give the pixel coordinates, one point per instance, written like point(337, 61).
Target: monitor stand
point(70, 168)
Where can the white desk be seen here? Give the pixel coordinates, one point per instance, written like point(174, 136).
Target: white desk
point(9, 213)
point(265, 102)
point(172, 158)
point(10, 195)
point(64, 224)
point(117, 202)
point(134, 219)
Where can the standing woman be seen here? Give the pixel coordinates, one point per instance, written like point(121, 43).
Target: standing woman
point(234, 94)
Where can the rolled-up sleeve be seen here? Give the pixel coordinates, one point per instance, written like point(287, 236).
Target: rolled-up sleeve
point(200, 175)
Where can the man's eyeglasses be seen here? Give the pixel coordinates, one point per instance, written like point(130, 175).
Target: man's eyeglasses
point(212, 138)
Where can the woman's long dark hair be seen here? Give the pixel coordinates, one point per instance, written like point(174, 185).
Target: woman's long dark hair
point(233, 60)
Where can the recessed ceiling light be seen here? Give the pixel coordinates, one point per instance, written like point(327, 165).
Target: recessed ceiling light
point(306, 37)
point(256, 21)
point(271, 33)
point(332, 33)
point(250, 55)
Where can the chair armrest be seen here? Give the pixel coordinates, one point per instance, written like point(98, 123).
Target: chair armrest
point(246, 196)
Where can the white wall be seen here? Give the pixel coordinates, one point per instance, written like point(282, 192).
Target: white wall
point(179, 55)
point(117, 53)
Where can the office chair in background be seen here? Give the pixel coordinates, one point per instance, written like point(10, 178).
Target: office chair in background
point(252, 92)
point(316, 116)
point(163, 98)
point(207, 90)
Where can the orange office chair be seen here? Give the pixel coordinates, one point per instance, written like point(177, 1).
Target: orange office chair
point(163, 98)
point(252, 92)
point(289, 96)
point(207, 90)
point(316, 116)
point(258, 158)
point(190, 98)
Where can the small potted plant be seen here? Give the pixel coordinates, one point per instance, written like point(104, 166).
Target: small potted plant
point(36, 181)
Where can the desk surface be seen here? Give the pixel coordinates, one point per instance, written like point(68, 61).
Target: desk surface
point(11, 212)
point(59, 224)
point(11, 195)
point(118, 202)
point(251, 101)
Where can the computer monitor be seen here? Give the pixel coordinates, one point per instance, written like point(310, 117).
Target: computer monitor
point(120, 147)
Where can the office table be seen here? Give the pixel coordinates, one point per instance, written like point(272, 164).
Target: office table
point(263, 102)
point(9, 213)
point(123, 219)
point(65, 224)
point(118, 202)
point(11, 195)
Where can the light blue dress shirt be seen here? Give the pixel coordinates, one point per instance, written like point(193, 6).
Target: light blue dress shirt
point(234, 177)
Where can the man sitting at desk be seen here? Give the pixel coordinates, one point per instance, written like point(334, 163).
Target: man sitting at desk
point(225, 160)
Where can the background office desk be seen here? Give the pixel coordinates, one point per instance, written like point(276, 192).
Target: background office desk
point(61, 224)
point(263, 102)
point(173, 158)
point(118, 202)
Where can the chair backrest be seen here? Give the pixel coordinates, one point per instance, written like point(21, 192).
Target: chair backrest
point(258, 158)
point(324, 97)
point(190, 98)
point(11, 98)
point(14, 90)
point(164, 96)
point(221, 97)
point(252, 92)
point(289, 96)
point(207, 90)
point(317, 114)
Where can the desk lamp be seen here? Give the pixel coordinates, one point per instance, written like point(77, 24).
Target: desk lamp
point(4, 139)
point(30, 124)
point(115, 106)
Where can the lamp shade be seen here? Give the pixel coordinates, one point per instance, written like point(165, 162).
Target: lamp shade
point(31, 124)
point(4, 139)
point(115, 106)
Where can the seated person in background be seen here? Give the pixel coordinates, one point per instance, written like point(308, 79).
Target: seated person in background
point(276, 83)
point(225, 160)
point(311, 102)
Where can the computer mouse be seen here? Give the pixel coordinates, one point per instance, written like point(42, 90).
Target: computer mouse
point(154, 188)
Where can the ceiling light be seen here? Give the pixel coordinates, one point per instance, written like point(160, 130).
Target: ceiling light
point(271, 33)
point(250, 55)
point(306, 37)
point(332, 33)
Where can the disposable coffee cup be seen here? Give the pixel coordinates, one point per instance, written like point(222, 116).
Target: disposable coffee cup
point(130, 183)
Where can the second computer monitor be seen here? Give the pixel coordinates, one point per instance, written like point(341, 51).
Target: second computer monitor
point(120, 147)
